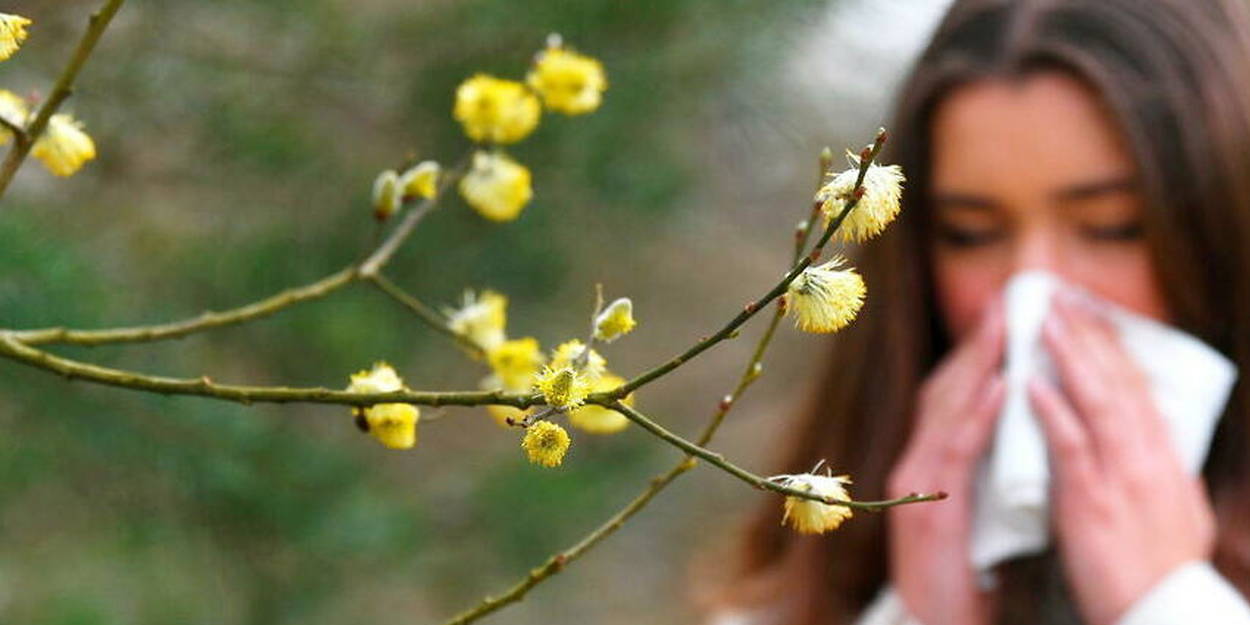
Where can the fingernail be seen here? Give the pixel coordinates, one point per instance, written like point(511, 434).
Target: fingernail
point(1083, 303)
point(1053, 324)
point(994, 312)
point(997, 385)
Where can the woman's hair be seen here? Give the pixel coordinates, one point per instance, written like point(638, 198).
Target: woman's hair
point(1175, 76)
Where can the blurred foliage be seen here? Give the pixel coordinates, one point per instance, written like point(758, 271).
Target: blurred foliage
point(238, 140)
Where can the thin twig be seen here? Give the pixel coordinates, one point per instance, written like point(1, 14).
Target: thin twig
point(557, 562)
point(246, 312)
point(372, 265)
point(206, 387)
point(754, 307)
point(430, 316)
point(96, 25)
point(720, 462)
point(205, 321)
point(19, 132)
point(584, 357)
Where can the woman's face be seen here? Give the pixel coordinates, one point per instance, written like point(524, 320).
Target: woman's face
point(1032, 174)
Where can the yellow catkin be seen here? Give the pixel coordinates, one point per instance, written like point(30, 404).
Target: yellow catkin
point(568, 82)
point(495, 110)
point(64, 146)
point(813, 517)
point(481, 318)
point(420, 180)
point(597, 419)
point(14, 111)
point(883, 189)
point(615, 321)
point(825, 298)
point(497, 187)
point(516, 362)
point(569, 352)
point(386, 195)
point(545, 443)
point(392, 424)
point(12, 33)
point(563, 388)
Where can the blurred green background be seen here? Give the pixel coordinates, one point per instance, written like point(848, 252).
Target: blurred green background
point(238, 141)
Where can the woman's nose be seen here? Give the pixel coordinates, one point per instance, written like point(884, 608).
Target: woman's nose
point(1036, 250)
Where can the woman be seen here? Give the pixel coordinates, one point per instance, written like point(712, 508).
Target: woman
point(1105, 141)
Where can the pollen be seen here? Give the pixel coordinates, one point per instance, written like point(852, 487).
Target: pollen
point(570, 353)
point(615, 321)
point(392, 424)
point(497, 187)
point(813, 517)
point(516, 362)
point(883, 189)
point(568, 82)
point(420, 180)
point(825, 298)
point(12, 33)
point(14, 111)
point(64, 146)
point(545, 443)
point(563, 387)
point(386, 195)
point(481, 318)
point(495, 110)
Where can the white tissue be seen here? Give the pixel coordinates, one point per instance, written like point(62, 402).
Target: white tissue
point(1189, 382)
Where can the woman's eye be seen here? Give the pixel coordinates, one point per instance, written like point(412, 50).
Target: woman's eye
point(1129, 231)
point(966, 237)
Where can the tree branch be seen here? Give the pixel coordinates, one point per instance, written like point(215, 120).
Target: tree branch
point(557, 562)
point(206, 387)
point(720, 462)
point(247, 312)
point(372, 265)
point(754, 307)
point(430, 316)
point(205, 321)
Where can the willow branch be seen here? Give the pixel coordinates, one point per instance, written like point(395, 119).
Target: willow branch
point(205, 387)
point(720, 462)
point(19, 131)
point(374, 263)
point(754, 307)
point(204, 321)
point(23, 142)
point(557, 562)
point(426, 314)
point(246, 312)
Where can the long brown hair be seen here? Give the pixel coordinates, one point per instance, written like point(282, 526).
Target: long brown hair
point(1175, 75)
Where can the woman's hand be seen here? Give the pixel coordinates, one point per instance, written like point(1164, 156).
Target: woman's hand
point(929, 543)
point(1124, 510)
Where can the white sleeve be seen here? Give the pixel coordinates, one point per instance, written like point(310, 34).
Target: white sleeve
point(886, 609)
point(1192, 593)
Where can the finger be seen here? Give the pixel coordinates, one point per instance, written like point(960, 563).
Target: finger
point(947, 462)
point(969, 439)
point(964, 372)
point(1073, 463)
point(1078, 372)
point(1102, 339)
point(1112, 393)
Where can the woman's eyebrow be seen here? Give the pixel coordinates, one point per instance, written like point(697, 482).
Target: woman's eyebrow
point(1087, 190)
point(959, 199)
